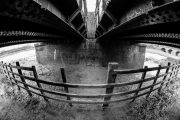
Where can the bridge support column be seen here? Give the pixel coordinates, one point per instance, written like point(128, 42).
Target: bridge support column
point(128, 55)
point(44, 53)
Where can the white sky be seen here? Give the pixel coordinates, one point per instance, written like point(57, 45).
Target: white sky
point(91, 5)
point(15, 46)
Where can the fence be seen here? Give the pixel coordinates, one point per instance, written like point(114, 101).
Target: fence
point(171, 71)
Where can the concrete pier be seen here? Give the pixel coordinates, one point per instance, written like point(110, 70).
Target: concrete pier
point(128, 55)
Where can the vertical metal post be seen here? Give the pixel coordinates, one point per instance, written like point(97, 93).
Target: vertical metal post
point(1, 69)
point(177, 70)
point(38, 84)
point(63, 74)
point(164, 78)
point(23, 80)
point(140, 84)
point(4, 70)
point(111, 79)
point(171, 75)
point(13, 75)
point(174, 72)
point(154, 82)
point(8, 73)
point(111, 17)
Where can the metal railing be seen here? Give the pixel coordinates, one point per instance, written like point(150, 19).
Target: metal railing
point(171, 72)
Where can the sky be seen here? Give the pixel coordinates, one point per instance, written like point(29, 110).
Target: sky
point(91, 5)
point(15, 46)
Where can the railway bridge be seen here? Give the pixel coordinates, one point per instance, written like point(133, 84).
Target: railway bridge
point(70, 23)
point(68, 34)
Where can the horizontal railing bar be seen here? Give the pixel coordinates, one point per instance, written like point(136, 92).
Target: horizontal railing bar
point(141, 70)
point(86, 96)
point(141, 89)
point(17, 67)
point(83, 102)
point(136, 95)
point(60, 100)
point(91, 86)
point(88, 85)
point(116, 71)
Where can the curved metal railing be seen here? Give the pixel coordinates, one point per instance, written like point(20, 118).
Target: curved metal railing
point(171, 71)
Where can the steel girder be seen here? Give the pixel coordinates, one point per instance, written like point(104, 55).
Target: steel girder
point(26, 20)
point(159, 25)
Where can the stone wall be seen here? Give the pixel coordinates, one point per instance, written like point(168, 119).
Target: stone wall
point(128, 56)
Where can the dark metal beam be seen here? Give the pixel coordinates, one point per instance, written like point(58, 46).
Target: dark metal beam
point(66, 7)
point(156, 20)
point(97, 34)
point(83, 31)
point(98, 31)
point(80, 26)
point(71, 18)
point(102, 27)
point(23, 24)
point(85, 7)
point(157, 25)
point(97, 7)
point(111, 17)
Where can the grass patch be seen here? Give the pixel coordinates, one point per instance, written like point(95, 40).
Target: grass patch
point(154, 107)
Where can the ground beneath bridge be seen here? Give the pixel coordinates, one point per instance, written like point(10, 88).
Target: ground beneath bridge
point(15, 105)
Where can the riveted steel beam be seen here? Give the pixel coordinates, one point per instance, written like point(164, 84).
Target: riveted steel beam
point(29, 21)
point(157, 25)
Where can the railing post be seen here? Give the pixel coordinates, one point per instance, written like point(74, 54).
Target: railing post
point(22, 79)
point(177, 70)
point(111, 79)
point(13, 76)
point(154, 82)
point(140, 84)
point(63, 74)
point(171, 75)
point(1, 69)
point(9, 77)
point(38, 84)
point(4, 70)
point(164, 78)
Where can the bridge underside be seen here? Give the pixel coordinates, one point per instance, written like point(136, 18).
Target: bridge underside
point(157, 25)
point(24, 21)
